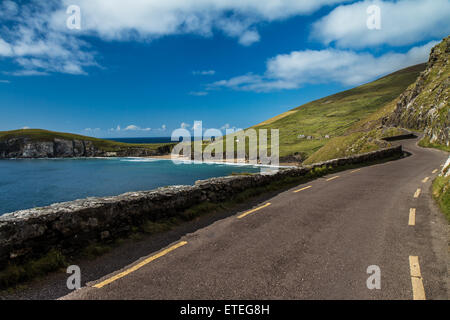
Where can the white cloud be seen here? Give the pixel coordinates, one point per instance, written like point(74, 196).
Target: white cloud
point(28, 38)
point(197, 125)
point(403, 22)
point(5, 81)
point(198, 93)
point(8, 9)
point(227, 126)
point(122, 20)
point(133, 127)
point(290, 71)
point(5, 48)
point(249, 37)
point(35, 36)
point(204, 72)
point(184, 125)
point(25, 127)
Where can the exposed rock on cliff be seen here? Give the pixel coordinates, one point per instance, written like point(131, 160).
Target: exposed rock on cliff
point(46, 144)
point(424, 105)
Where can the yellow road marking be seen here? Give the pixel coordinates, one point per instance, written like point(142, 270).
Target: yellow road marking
point(435, 170)
point(251, 211)
point(416, 279)
point(417, 194)
point(355, 170)
point(332, 178)
point(302, 189)
point(425, 180)
point(139, 265)
point(412, 217)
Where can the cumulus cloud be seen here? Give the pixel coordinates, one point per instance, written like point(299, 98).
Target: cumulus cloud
point(198, 93)
point(119, 20)
point(249, 37)
point(5, 81)
point(403, 22)
point(92, 130)
point(204, 72)
point(27, 37)
point(227, 126)
point(34, 34)
point(5, 48)
point(130, 127)
point(290, 71)
point(133, 127)
point(184, 125)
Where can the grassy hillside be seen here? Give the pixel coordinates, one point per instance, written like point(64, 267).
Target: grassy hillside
point(364, 136)
point(337, 114)
point(46, 135)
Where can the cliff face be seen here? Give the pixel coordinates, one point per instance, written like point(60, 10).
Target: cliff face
point(424, 105)
point(23, 147)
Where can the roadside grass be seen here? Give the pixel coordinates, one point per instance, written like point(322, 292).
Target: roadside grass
point(441, 193)
point(344, 146)
point(14, 276)
point(425, 143)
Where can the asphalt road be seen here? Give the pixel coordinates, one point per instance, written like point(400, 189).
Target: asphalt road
point(316, 243)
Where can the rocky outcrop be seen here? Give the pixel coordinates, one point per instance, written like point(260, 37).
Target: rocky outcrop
point(24, 147)
point(70, 226)
point(424, 105)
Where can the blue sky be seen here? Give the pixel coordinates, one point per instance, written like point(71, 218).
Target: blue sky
point(144, 68)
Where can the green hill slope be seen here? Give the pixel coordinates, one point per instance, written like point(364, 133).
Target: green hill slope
point(306, 129)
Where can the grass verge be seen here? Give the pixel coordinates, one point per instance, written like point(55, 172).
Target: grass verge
point(441, 193)
point(14, 274)
point(425, 143)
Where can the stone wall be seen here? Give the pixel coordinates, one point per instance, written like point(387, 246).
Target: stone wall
point(70, 226)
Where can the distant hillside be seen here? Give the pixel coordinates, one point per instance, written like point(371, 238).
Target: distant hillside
point(306, 129)
point(37, 143)
point(424, 106)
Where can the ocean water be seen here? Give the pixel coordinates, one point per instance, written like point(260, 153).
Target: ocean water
point(39, 182)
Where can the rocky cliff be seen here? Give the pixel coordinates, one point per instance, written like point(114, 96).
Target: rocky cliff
point(424, 106)
point(55, 145)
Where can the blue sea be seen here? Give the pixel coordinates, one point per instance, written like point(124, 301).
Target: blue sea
point(39, 182)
